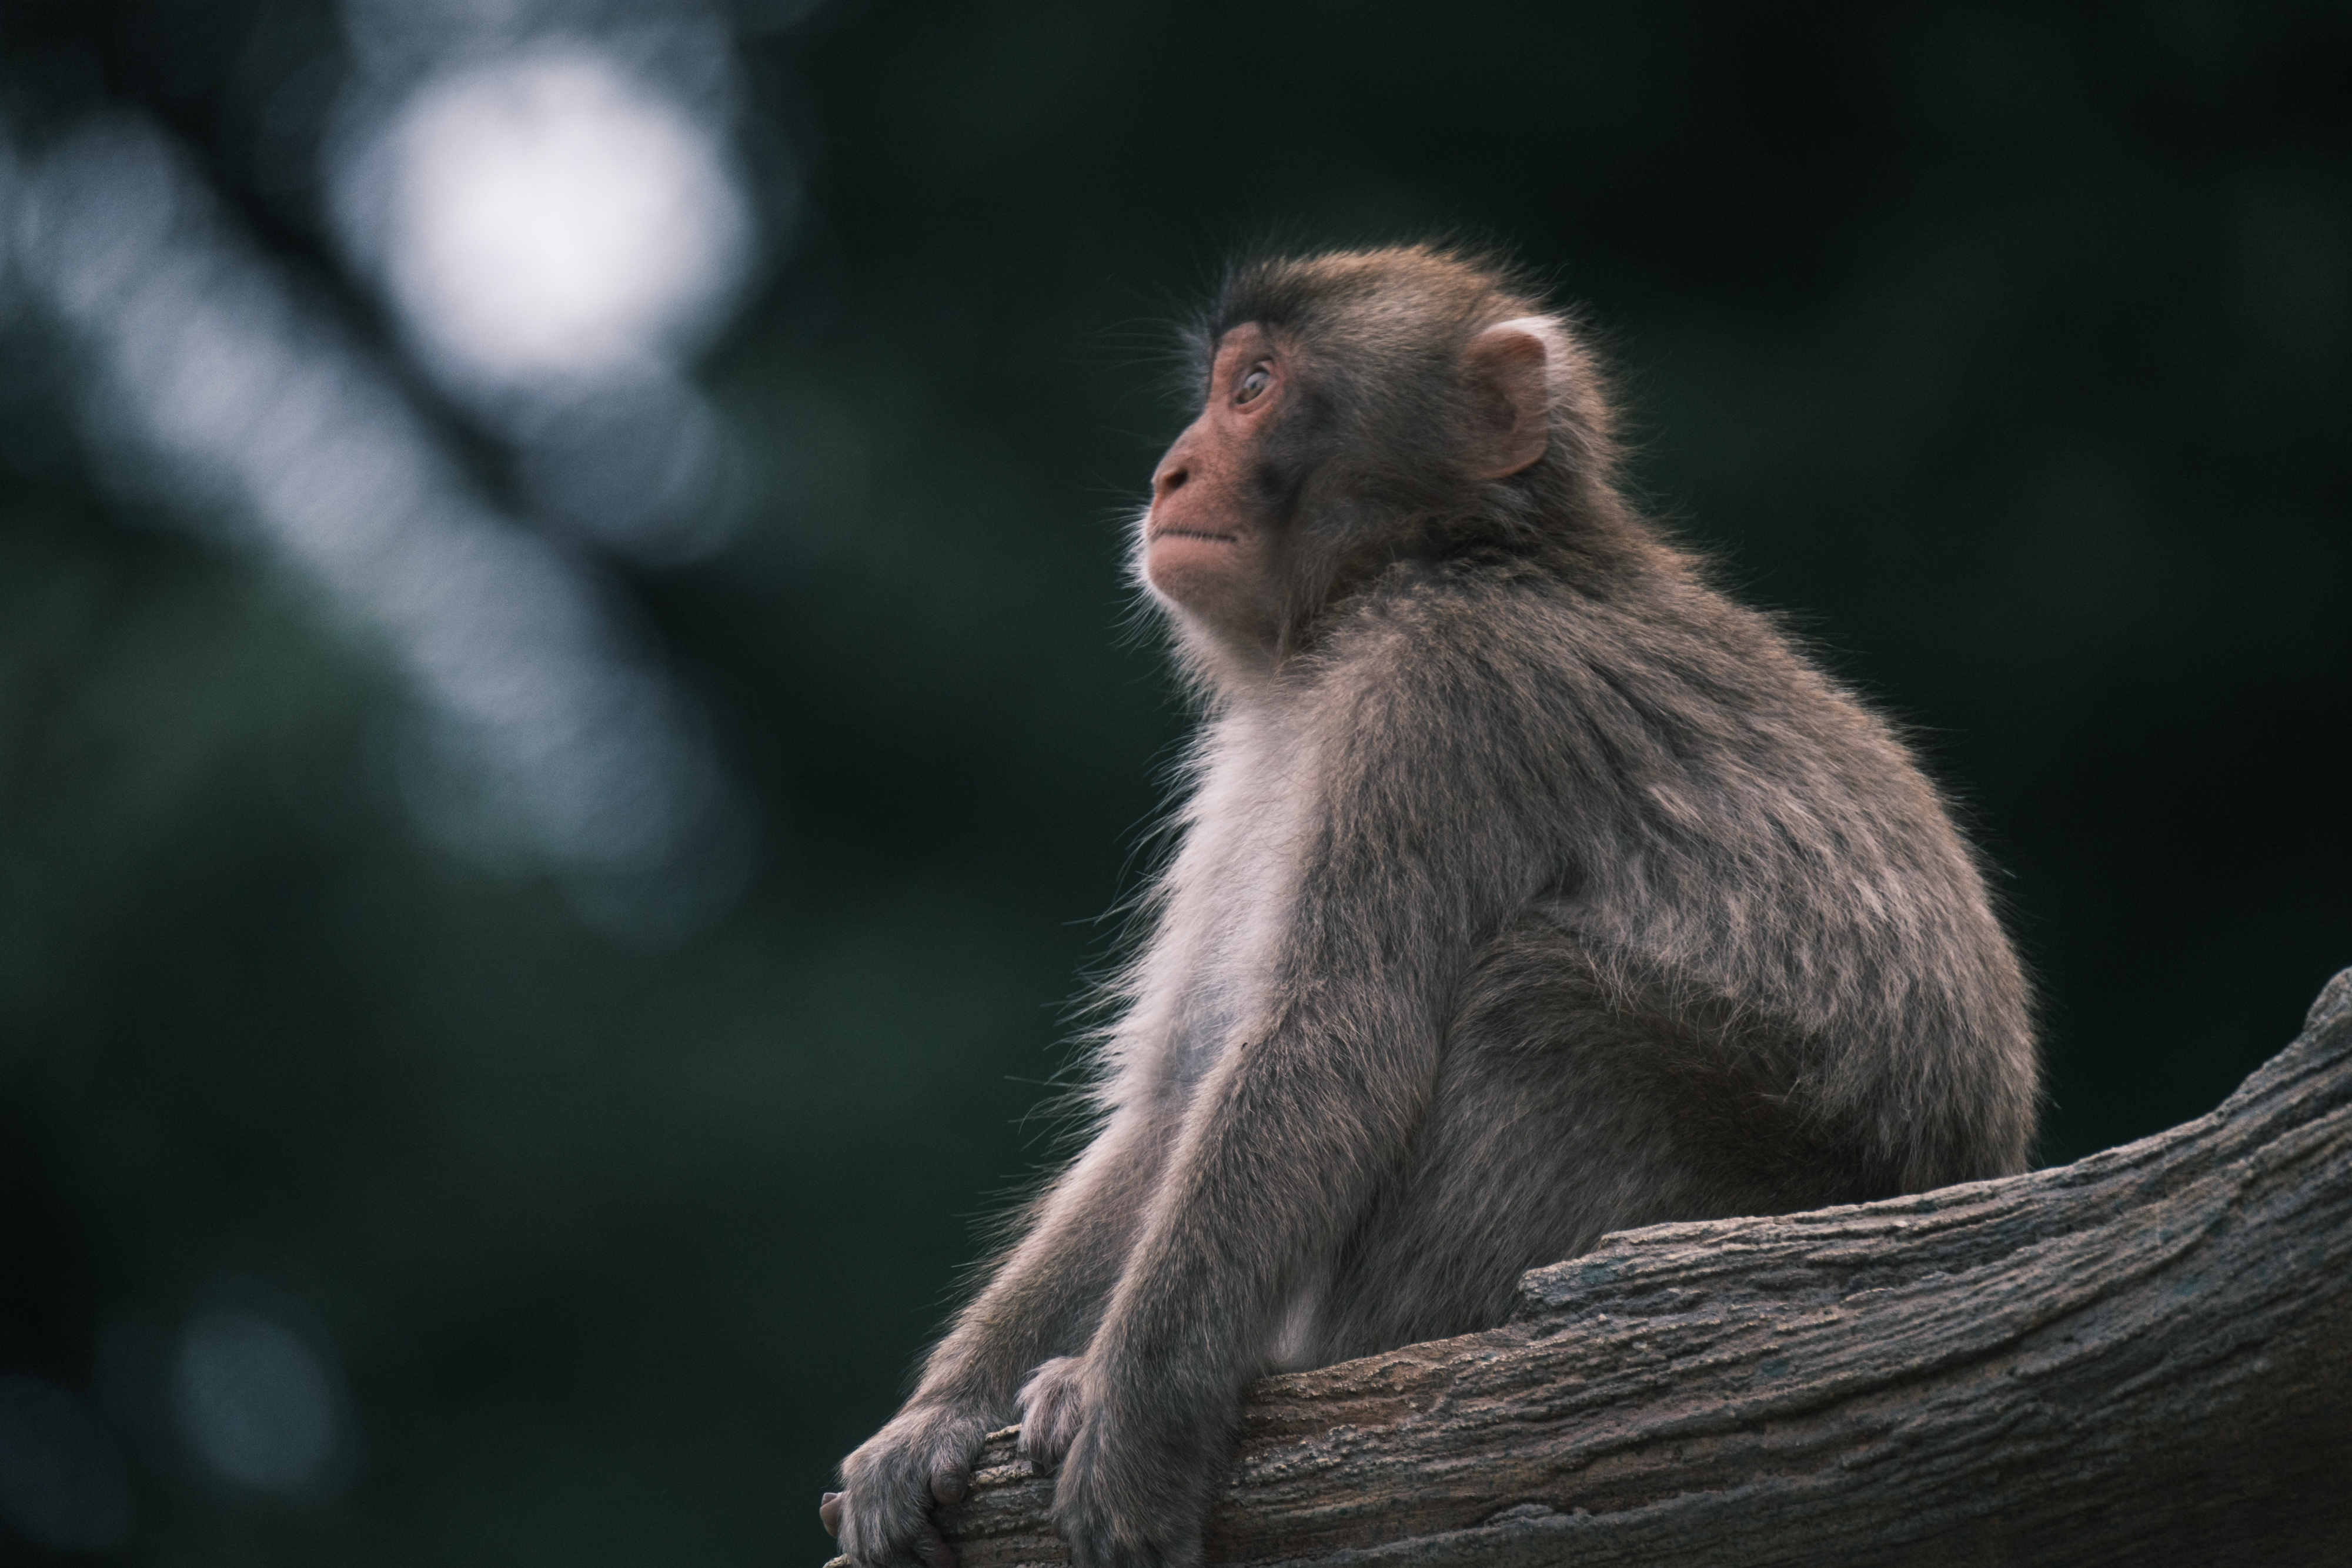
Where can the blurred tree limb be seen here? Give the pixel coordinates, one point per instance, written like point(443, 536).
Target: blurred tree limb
point(2142, 1357)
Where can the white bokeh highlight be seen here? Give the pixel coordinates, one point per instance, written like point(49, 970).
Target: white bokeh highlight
point(545, 194)
point(548, 221)
point(549, 737)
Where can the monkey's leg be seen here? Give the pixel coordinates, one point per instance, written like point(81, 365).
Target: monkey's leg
point(1569, 1105)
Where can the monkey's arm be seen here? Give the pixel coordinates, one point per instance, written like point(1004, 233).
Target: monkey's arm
point(1047, 1293)
point(1042, 1301)
point(1423, 836)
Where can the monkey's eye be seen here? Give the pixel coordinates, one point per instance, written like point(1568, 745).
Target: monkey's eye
point(1259, 378)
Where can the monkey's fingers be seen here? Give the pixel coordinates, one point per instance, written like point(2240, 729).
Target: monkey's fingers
point(949, 1482)
point(934, 1551)
point(828, 1513)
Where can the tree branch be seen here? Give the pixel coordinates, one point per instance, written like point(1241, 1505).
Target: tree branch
point(2142, 1357)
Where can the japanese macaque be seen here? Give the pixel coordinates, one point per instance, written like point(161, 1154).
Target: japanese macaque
point(1526, 888)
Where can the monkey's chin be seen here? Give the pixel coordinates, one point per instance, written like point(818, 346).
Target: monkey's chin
point(1194, 571)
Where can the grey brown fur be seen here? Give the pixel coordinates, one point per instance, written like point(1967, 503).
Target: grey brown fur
point(1528, 889)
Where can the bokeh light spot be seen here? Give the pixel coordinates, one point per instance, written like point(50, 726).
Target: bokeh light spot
point(61, 1481)
point(255, 1402)
point(549, 219)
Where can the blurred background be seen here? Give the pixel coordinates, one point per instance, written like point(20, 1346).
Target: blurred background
point(569, 714)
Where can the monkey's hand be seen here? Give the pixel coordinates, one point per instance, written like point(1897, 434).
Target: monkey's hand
point(882, 1515)
point(1137, 1475)
point(1050, 1404)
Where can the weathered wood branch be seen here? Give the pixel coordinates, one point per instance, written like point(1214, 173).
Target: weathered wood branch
point(2143, 1357)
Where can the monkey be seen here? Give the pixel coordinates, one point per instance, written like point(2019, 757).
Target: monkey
point(1525, 887)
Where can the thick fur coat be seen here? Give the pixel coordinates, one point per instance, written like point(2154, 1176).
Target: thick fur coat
point(1526, 888)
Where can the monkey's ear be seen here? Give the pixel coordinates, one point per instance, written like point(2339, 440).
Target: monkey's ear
point(1510, 397)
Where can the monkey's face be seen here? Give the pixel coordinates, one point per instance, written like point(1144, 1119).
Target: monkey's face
point(1308, 468)
point(1207, 539)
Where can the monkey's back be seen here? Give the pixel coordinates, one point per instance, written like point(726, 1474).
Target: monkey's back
point(1736, 844)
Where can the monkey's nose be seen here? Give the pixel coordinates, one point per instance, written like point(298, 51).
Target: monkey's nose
point(1166, 481)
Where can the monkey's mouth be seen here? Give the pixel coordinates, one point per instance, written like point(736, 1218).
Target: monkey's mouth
point(1156, 534)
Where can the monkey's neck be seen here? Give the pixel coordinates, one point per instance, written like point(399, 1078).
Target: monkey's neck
point(1222, 671)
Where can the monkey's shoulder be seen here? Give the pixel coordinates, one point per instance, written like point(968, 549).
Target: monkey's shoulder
point(1661, 693)
point(1664, 633)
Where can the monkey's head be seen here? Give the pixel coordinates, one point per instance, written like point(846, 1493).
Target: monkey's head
point(1360, 408)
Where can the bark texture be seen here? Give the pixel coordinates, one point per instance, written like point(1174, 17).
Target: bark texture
point(2143, 1357)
